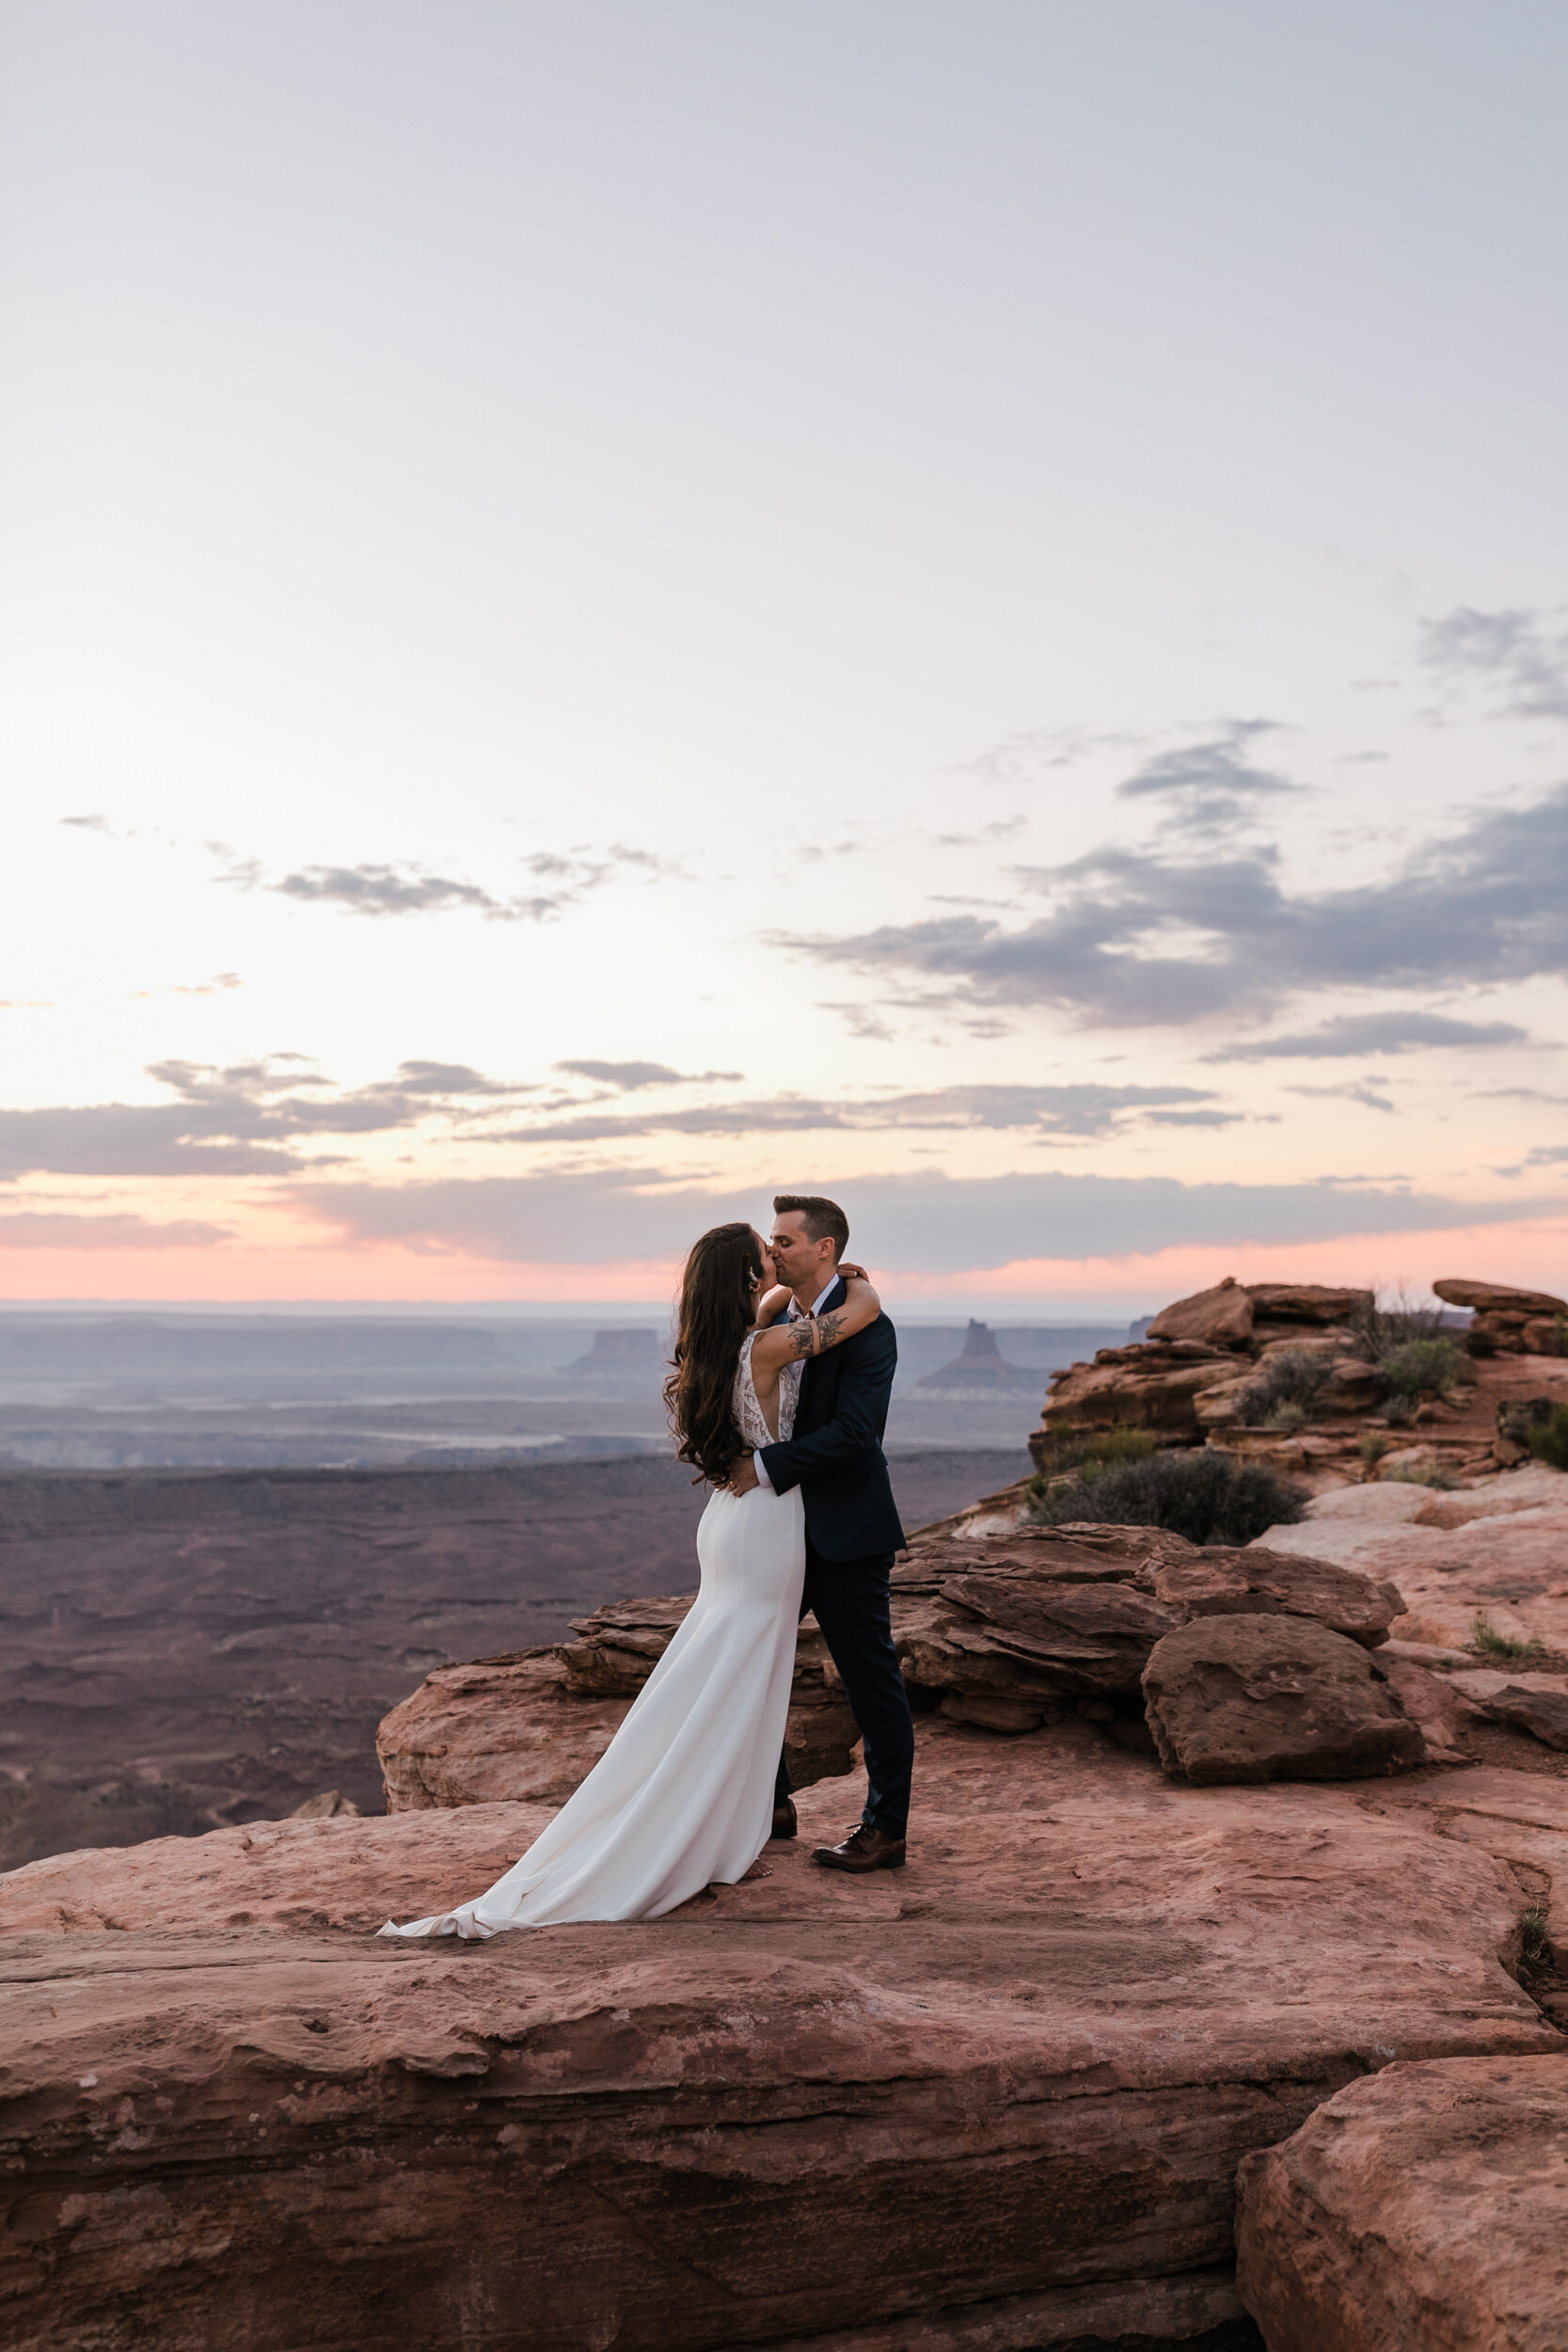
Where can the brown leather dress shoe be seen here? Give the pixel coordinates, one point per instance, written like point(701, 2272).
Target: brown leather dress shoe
point(785, 1822)
point(865, 1849)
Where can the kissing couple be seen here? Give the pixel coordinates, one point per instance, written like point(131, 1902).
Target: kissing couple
point(777, 1397)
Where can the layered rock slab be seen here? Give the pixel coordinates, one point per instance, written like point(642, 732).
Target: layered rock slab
point(1498, 1549)
point(1025, 2067)
point(1424, 2206)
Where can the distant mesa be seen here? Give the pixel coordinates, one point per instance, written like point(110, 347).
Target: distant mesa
point(981, 1366)
point(622, 1357)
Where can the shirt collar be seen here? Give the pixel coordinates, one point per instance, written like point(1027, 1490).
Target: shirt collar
point(816, 1305)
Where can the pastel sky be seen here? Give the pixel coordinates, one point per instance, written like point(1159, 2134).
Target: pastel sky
point(611, 608)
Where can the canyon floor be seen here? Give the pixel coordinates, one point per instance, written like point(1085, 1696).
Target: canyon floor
point(182, 1649)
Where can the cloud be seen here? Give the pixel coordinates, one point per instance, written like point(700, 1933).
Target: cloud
point(1140, 937)
point(1511, 650)
point(1020, 761)
point(238, 1119)
point(130, 1139)
point(396, 889)
point(1214, 783)
point(1365, 1093)
point(1365, 1033)
point(88, 824)
point(1082, 1110)
point(30, 1230)
point(631, 1075)
point(997, 830)
point(862, 1021)
point(410, 890)
point(941, 1224)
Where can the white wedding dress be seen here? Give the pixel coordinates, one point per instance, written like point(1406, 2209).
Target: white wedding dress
point(683, 1796)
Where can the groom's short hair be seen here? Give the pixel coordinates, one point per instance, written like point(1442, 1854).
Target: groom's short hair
point(822, 1218)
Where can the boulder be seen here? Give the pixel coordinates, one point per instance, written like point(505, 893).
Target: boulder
point(1015, 2078)
point(1092, 1638)
point(1222, 1316)
point(1255, 1698)
point(1213, 1582)
point(1352, 1386)
point(1077, 1554)
point(1498, 1298)
point(1306, 1302)
point(619, 1644)
point(1496, 1335)
point(1422, 2208)
point(1225, 1406)
point(1545, 1335)
point(1322, 1346)
point(1518, 1416)
point(500, 1729)
point(1151, 1393)
point(1442, 1715)
point(1542, 1713)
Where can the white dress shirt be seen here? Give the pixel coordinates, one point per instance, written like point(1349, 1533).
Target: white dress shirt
point(794, 1315)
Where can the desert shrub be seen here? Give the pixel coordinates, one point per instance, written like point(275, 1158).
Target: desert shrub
point(1421, 1368)
point(1421, 1474)
point(1286, 1414)
point(1203, 1494)
point(1378, 1331)
point(1290, 1379)
point(1067, 1450)
point(1535, 1935)
point(1398, 1411)
point(1485, 1637)
point(1549, 1440)
point(1373, 1445)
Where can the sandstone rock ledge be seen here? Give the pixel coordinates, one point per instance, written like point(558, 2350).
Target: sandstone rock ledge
point(996, 2100)
point(1424, 2207)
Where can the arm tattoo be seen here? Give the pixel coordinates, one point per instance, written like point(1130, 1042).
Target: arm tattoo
point(803, 1342)
point(828, 1326)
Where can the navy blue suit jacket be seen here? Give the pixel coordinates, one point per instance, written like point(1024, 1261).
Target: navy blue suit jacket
point(835, 1456)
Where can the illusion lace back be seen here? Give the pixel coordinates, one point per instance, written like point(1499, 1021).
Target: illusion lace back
point(683, 1796)
point(747, 1412)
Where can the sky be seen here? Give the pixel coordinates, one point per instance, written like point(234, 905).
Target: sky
point(608, 610)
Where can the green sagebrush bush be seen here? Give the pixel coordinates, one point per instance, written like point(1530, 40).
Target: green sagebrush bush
point(1203, 1494)
point(1285, 1391)
point(1549, 1440)
point(1421, 1368)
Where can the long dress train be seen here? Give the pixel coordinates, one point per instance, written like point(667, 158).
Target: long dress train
point(683, 1796)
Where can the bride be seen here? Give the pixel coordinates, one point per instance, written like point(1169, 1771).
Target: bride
point(683, 1796)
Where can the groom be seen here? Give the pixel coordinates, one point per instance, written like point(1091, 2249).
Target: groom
point(852, 1528)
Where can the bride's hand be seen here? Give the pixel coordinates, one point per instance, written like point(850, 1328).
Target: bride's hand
point(854, 1273)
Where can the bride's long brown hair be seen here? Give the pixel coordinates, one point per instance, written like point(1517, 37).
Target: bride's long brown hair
point(718, 1309)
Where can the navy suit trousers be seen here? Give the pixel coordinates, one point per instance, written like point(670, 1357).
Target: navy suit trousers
point(849, 1600)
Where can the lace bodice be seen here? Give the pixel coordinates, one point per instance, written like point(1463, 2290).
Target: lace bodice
point(747, 1412)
